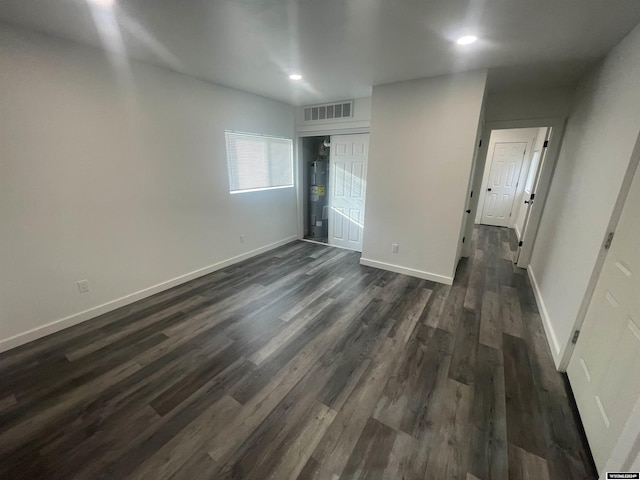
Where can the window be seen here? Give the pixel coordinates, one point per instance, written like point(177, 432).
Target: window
point(257, 162)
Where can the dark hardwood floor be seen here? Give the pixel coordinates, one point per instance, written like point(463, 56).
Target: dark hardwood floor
point(300, 363)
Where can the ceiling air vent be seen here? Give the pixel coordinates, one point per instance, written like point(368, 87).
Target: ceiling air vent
point(329, 111)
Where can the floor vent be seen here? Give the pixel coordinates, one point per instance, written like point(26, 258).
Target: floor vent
point(329, 111)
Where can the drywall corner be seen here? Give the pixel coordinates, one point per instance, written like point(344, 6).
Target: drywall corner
point(423, 141)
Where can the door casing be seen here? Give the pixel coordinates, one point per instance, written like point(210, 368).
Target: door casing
point(300, 166)
point(545, 175)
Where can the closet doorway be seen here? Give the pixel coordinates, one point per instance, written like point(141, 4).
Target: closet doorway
point(334, 173)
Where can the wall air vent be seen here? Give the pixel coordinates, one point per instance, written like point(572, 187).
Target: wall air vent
point(328, 111)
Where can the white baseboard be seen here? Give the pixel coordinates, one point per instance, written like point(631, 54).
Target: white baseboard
point(76, 318)
point(552, 338)
point(407, 271)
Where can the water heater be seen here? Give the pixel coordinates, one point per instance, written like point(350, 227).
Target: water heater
point(318, 204)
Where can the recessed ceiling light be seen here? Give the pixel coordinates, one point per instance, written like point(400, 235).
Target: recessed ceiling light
point(295, 76)
point(103, 3)
point(466, 40)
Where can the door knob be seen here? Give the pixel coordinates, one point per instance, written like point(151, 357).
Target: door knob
point(488, 189)
point(526, 201)
point(469, 211)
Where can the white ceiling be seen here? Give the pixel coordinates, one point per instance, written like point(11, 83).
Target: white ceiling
point(342, 47)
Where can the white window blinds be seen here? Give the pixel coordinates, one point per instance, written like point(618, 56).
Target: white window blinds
point(257, 162)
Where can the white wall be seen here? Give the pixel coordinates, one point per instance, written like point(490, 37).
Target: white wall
point(117, 176)
point(596, 151)
point(359, 123)
point(423, 135)
point(524, 135)
point(528, 104)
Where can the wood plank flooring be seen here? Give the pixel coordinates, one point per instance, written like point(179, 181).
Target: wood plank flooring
point(300, 363)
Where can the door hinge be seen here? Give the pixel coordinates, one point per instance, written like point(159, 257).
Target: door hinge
point(520, 243)
point(463, 238)
point(545, 144)
point(480, 144)
point(471, 196)
point(607, 243)
point(574, 339)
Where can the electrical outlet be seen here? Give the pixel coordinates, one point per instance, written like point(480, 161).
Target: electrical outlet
point(83, 286)
point(394, 248)
point(241, 238)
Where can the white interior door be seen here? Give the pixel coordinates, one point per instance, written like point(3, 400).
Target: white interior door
point(534, 186)
point(506, 164)
point(348, 174)
point(523, 211)
point(604, 369)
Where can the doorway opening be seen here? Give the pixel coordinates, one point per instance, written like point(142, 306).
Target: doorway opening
point(315, 180)
point(522, 184)
point(334, 172)
point(512, 161)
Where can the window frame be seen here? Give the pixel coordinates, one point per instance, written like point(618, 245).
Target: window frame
point(266, 139)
